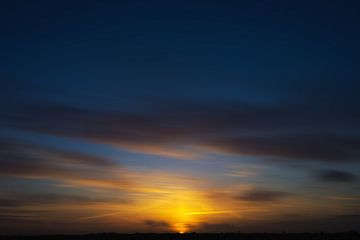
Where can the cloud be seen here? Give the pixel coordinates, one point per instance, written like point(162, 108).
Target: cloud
point(343, 197)
point(13, 150)
point(335, 176)
point(9, 203)
point(188, 131)
point(294, 224)
point(299, 146)
point(348, 216)
point(157, 224)
point(262, 195)
point(215, 227)
point(25, 200)
point(26, 160)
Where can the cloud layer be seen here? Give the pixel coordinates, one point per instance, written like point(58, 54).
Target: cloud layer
point(276, 132)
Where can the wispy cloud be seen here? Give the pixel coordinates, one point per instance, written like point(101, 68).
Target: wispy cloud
point(34, 161)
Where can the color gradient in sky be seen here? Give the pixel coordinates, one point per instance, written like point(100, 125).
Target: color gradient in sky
point(177, 116)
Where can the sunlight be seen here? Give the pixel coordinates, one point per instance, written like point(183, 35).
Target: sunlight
point(176, 208)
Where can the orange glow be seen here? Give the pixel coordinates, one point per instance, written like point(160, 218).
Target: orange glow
point(181, 206)
point(175, 206)
point(177, 203)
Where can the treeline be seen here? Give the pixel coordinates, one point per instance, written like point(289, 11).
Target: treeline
point(351, 235)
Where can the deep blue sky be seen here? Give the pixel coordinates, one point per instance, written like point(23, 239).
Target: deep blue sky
point(249, 50)
point(253, 101)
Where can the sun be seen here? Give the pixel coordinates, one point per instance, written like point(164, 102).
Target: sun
point(181, 206)
point(174, 207)
point(181, 227)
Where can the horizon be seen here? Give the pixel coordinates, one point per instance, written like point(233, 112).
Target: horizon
point(179, 116)
point(156, 236)
point(351, 232)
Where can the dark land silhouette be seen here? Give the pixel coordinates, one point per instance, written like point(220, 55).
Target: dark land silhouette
point(351, 235)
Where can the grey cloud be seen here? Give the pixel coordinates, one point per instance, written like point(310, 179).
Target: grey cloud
point(33, 161)
point(26, 159)
point(231, 127)
point(262, 195)
point(157, 224)
point(294, 224)
point(297, 146)
point(22, 200)
point(216, 228)
point(335, 176)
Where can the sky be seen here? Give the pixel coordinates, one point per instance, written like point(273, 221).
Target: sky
point(179, 116)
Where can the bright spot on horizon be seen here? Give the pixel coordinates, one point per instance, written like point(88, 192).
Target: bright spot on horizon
point(182, 207)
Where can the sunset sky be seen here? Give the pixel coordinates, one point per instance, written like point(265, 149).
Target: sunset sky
point(178, 116)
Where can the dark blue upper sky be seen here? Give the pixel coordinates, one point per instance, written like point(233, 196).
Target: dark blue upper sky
point(261, 51)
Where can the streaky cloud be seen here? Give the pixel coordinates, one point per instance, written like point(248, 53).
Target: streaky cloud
point(189, 131)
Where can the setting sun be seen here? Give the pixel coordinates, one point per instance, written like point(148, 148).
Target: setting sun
point(175, 206)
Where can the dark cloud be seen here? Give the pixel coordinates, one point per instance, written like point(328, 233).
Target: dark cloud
point(348, 216)
point(157, 224)
point(335, 176)
point(34, 161)
point(9, 203)
point(293, 224)
point(291, 130)
point(215, 228)
point(297, 146)
point(12, 150)
point(262, 195)
point(236, 128)
point(23, 200)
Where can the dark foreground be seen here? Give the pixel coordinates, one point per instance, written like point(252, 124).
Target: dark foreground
point(195, 236)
